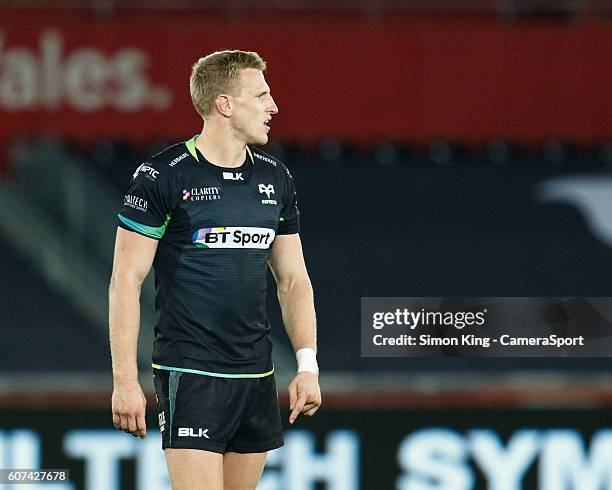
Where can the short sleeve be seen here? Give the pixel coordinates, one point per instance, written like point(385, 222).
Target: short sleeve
point(147, 203)
point(289, 221)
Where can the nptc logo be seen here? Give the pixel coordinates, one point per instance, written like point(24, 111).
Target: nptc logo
point(150, 172)
point(267, 189)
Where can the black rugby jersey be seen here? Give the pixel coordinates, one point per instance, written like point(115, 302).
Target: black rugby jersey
point(215, 226)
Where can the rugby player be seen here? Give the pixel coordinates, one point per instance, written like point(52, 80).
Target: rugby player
point(210, 215)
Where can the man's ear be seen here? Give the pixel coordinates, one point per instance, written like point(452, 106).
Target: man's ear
point(223, 105)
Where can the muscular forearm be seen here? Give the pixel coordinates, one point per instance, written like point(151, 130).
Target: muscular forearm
point(297, 305)
point(124, 323)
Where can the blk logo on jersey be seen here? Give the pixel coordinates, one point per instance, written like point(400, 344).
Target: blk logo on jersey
point(232, 176)
point(190, 432)
point(268, 190)
point(234, 237)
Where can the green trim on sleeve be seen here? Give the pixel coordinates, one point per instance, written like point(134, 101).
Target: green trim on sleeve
point(150, 231)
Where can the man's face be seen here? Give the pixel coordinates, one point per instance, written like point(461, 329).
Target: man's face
point(253, 108)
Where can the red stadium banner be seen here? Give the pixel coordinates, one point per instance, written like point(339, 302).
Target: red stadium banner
point(471, 80)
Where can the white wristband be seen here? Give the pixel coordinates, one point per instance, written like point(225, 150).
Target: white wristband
point(307, 361)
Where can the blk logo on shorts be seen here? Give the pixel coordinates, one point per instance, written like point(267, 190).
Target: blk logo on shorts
point(190, 432)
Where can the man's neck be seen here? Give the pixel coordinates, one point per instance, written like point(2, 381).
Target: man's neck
point(220, 147)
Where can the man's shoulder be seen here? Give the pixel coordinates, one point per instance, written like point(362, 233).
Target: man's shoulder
point(261, 156)
point(164, 163)
point(171, 157)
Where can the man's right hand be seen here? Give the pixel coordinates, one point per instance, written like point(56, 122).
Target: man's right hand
point(129, 407)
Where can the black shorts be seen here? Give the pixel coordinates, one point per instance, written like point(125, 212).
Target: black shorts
point(222, 415)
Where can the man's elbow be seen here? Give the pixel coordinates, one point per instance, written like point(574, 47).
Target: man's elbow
point(125, 280)
point(296, 283)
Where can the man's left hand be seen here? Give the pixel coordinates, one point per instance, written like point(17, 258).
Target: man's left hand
point(304, 395)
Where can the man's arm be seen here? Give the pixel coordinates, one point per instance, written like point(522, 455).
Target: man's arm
point(297, 305)
point(134, 255)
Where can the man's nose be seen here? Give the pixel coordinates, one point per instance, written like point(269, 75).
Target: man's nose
point(273, 107)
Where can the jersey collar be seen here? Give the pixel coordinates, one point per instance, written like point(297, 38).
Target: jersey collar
point(190, 144)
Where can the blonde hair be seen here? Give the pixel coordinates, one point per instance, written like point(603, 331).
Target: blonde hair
point(218, 73)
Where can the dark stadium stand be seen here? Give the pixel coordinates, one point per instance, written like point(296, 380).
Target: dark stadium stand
point(465, 227)
point(38, 320)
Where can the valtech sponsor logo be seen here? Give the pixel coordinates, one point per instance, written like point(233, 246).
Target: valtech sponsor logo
point(178, 159)
point(148, 171)
point(268, 190)
point(84, 78)
point(265, 159)
point(191, 432)
point(135, 202)
point(201, 194)
point(233, 237)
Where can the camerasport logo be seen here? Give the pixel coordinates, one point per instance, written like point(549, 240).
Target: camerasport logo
point(233, 237)
point(85, 79)
point(135, 202)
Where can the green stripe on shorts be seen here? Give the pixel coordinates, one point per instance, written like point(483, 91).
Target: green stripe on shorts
point(173, 382)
